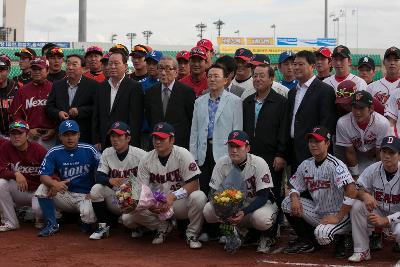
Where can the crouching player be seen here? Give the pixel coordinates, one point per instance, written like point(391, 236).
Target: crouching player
point(259, 211)
point(172, 170)
point(76, 164)
point(117, 163)
point(379, 199)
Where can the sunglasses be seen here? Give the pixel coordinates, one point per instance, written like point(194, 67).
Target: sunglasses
point(343, 93)
point(26, 51)
point(57, 50)
point(18, 125)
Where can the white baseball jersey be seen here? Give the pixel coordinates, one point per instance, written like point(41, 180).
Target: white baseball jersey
point(392, 110)
point(277, 87)
point(180, 167)
point(387, 193)
point(360, 83)
point(256, 174)
point(383, 89)
point(348, 133)
point(324, 182)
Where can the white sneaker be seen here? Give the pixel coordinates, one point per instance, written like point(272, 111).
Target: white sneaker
point(162, 234)
point(222, 240)
point(102, 231)
point(6, 227)
point(265, 244)
point(360, 256)
point(193, 242)
point(204, 237)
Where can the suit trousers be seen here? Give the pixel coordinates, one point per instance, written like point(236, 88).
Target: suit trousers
point(207, 169)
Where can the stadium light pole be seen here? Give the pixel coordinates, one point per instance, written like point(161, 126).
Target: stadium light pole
point(131, 36)
point(343, 15)
point(201, 27)
point(237, 32)
point(219, 23)
point(147, 34)
point(82, 21)
point(273, 26)
point(355, 12)
point(326, 19)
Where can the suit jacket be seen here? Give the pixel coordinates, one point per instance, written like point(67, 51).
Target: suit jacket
point(127, 107)
point(316, 109)
point(268, 136)
point(229, 117)
point(179, 111)
point(58, 100)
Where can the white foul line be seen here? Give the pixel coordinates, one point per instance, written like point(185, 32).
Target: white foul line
point(305, 264)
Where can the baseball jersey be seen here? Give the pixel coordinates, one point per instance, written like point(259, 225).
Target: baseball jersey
point(180, 167)
point(392, 110)
point(324, 182)
point(78, 166)
point(256, 173)
point(382, 89)
point(387, 193)
point(360, 83)
point(348, 133)
point(277, 87)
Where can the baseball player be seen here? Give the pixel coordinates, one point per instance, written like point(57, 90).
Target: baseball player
point(259, 211)
point(172, 170)
point(378, 201)
point(385, 87)
point(75, 163)
point(341, 62)
point(117, 163)
point(323, 63)
point(20, 160)
point(361, 132)
point(332, 190)
point(392, 111)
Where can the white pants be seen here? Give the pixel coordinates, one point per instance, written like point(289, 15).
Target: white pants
point(11, 197)
point(101, 192)
point(188, 208)
point(70, 202)
point(324, 233)
point(360, 226)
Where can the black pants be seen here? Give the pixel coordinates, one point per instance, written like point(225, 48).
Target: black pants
point(206, 170)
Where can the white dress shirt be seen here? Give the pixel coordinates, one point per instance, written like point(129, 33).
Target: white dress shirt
point(114, 90)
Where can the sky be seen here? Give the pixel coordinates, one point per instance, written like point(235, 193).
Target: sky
point(173, 21)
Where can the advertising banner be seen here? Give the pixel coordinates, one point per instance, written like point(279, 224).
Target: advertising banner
point(32, 44)
point(286, 41)
point(260, 41)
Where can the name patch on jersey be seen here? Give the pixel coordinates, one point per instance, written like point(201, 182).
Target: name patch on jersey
point(114, 173)
point(317, 184)
point(381, 196)
point(173, 176)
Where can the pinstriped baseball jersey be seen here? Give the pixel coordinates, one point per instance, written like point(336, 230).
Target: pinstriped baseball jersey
point(180, 167)
point(348, 133)
point(360, 83)
point(392, 109)
point(387, 193)
point(382, 89)
point(324, 182)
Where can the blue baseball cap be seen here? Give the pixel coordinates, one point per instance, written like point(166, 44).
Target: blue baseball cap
point(285, 56)
point(239, 138)
point(154, 55)
point(163, 130)
point(68, 126)
point(391, 142)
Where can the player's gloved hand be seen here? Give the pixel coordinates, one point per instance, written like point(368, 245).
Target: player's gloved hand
point(49, 134)
point(330, 219)
point(34, 134)
point(73, 112)
point(279, 163)
point(63, 115)
point(378, 220)
point(297, 208)
point(21, 182)
point(237, 218)
point(370, 202)
point(60, 187)
point(116, 181)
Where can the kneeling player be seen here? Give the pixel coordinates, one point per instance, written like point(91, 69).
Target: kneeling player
point(259, 212)
point(379, 203)
point(117, 163)
point(20, 160)
point(172, 170)
point(76, 164)
point(332, 189)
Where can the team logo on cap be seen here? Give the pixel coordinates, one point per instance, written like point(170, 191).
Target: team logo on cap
point(392, 49)
point(241, 51)
point(315, 129)
point(68, 124)
point(235, 134)
point(197, 50)
point(159, 127)
point(390, 140)
point(153, 53)
point(358, 96)
point(339, 49)
point(116, 124)
point(365, 60)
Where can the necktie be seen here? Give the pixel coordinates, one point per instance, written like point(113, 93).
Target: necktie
point(165, 99)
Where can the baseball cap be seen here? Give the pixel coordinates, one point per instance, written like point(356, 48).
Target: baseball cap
point(344, 92)
point(259, 59)
point(361, 99)
point(140, 50)
point(198, 51)
point(40, 62)
point(207, 44)
point(366, 61)
point(239, 138)
point(94, 49)
point(5, 62)
point(183, 55)
point(342, 51)
point(26, 52)
point(55, 51)
point(319, 133)
point(391, 142)
point(68, 126)
point(244, 54)
point(392, 51)
point(324, 51)
point(19, 125)
point(285, 56)
point(106, 57)
point(119, 48)
point(154, 55)
point(163, 130)
point(120, 127)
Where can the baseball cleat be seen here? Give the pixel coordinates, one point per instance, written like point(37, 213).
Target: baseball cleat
point(49, 230)
point(193, 242)
point(301, 247)
point(6, 227)
point(265, 244)
point(161, 235)
point(360, 256)
point(102, 231)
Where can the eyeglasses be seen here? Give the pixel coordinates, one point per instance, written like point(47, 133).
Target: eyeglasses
point(166, 68)
point(18, 125)
point(343, 93)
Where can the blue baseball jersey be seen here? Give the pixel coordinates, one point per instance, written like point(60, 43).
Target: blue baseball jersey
point(291, 85)
point(78, 166)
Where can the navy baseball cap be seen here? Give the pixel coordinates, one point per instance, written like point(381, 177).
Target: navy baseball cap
point(319, 133)
point(366, 61)
point(362, 99)
point(163, 130)
point(260, 59)
point(154, 55)
point(392, 51)
point(342, 51)
point(239, 138)
point(285, 56)
point(68, 126)
point(391, 142)
point(120, 128)
point(244, 54)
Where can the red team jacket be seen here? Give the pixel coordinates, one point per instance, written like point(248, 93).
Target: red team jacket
point(29, 105)
point(198, 87)
point(98, 77)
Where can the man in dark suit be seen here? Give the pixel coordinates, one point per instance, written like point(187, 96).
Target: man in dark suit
point(171, 101)
point(73, 98)
point(118, 99)
point(311, 103)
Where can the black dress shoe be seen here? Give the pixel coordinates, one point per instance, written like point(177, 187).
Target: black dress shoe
point(300, 247)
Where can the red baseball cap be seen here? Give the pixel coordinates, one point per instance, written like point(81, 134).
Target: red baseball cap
point(344, 92)
point(183, 55)
point(239, 138)
point(40, 62)
point(163, 130)
point(19, 125)
point(205, 43)
point(94, 49)
point(198, 51)
point(325, 51)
